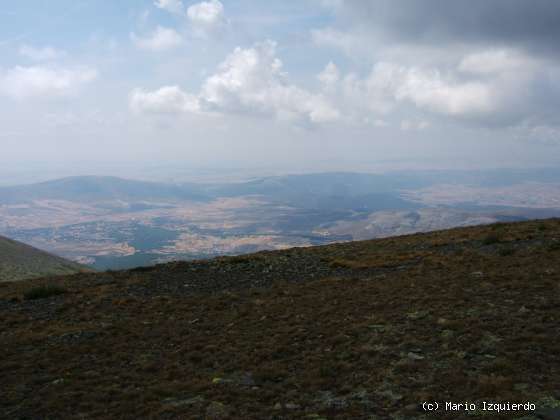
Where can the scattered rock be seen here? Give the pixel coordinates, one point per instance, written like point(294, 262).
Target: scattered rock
point(415, 356)
point(361, 397)
point(219, 380)
point(411, 408)
point(461, 354)
point(183, 402)
point(217, 410)
point(377, 327)
point(489, 342)
point(447, 334)
point(245, 379)
point(329, 401)
point(390, 395)
point(521, 387)
point(417, 315)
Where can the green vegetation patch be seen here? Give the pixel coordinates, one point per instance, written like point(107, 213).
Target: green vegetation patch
point(491, 239)
point(43, 292)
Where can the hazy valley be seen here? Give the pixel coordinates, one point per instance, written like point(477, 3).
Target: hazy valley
point(115, 223)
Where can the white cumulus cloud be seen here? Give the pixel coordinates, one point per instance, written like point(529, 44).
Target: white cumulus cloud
point(390, 85)
point(160, 39)
point(172, 6)
point(207, 17)
point(35, 81)
point(165, 100)
point(249, 81)
point(329, 75)
point(429, 89)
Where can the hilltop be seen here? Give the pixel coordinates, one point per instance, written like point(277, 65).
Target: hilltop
point(359, 330)
point(96, 188)
point(19, 261)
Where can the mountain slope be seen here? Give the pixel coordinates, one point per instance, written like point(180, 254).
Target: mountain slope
point(20, 262)
point(336, 190)
point(358, 330)
point(328, 190)
point(98, 188)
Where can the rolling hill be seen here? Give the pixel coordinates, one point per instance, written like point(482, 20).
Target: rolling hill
point(360, 330)
point(334, 190)
point(20, 262)
point(98, 188)
point(328, 190)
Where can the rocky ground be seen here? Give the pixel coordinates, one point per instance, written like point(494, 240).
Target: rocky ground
point(367, 329)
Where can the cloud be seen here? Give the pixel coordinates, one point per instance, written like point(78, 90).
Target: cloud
point(346, 41)
point(207, 17)
point(165, 100)
point(26, 82)
point(160, 39)
point(329, 75)
point(429, 89)
point(533, 23)
point(172, 6)
point(41, 54)
point(483, 63)
point(407, 125)
point(547, 134)
point(493, 87)
point(249, 81)
point(331, 4)
point(497, 61)
point(391, 88)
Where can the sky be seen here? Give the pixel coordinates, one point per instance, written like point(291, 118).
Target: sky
point(293, 85)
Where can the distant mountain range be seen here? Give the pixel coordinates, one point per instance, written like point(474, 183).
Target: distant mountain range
point(308, 190)
point(20, 262)
point(111, 223)
point(331, 190)
point(98, 188)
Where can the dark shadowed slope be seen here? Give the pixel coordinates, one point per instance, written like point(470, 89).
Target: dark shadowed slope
point(20, 262)
point(360, 330)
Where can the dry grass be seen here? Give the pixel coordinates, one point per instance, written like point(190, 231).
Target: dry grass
point(363, 340)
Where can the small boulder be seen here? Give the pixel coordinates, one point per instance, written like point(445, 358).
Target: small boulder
point(217, 410)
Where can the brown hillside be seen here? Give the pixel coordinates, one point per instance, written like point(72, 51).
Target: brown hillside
point(19, 261)
point(357, 330)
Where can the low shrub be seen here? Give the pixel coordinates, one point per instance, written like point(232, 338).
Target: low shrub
point(506, 252)
point(555, 246)
point(42, 292)
point(490, 239)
